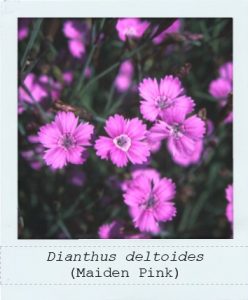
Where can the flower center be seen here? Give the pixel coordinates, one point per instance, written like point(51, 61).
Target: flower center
point(67, 141)
point(130, 31)
point(122, 142)
point(163, 102)
point(177, 130)
point(150, 202)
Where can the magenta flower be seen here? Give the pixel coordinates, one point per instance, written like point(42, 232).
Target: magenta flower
point(36, 91)
point(229, 207)
point(149, 202)
point(126, 141)
point(123, 80)
point(112, 230)
point(182, 133)
point(65, 140)
point(221, 87)
point(172, 29)
point(23, 28)
point(132, 28)
point(158, 97)
point(226, 71)
point(76, 31)
point(52, 87)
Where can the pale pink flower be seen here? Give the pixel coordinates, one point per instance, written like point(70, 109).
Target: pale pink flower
point(150, 202)
point(182, 133)
point(172, 29)
point(131, 28)
point(126, 141)
point(65, 140)
point(229, 207)
point(157, 97)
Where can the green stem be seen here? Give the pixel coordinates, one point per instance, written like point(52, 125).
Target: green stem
point(31, 41)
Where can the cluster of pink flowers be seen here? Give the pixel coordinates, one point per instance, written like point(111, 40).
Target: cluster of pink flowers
point(222, 87)
point(147, 195)
point(166, 104)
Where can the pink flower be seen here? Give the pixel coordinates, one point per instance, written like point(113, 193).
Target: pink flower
point(132, 28)
point(124, 78)
point(182, 133)
point(221, 87)
point(23, 28)
point(52, 87)
point(36, 91)
point(126, 141)
point(65, 140)
point(226, 71)
point(173, 28)
point(149, 202)
point(76, 31)
point(229, 207)
point(158, 97)
point(111, 230)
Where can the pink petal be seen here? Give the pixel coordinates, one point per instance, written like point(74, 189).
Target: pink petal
point(149, 89)
point(74, 155)
point(138, 152)
point(55, 157)
point(49, 135)
point(194, 127)
point(146, 222)
point(115, 125)
point(181, 146)
point(164, 211)
point(118, 157)
point(66, 122)
point(77, 48)
point(158, 132)
point(149, 111)
point(135, 129)
point(165, 189)
point(186, 104)
point(103, 146)
point(170, 86)
point(83, 133)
